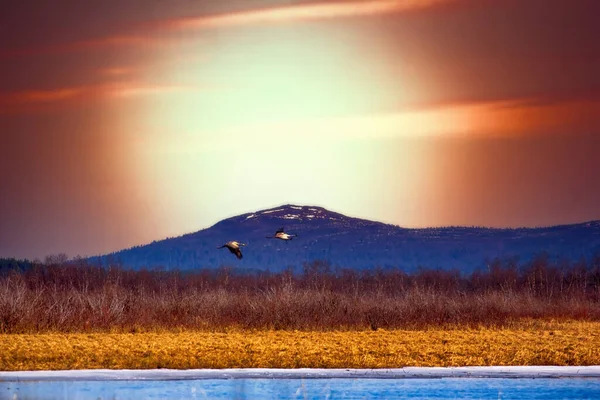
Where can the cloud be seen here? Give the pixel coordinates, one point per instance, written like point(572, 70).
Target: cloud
point(25, 101)
point(116, 71)
point(144, 34)
point(108, 41)
point(302, 13)
point(142, 90)
point(40, 96)
point(496, 118)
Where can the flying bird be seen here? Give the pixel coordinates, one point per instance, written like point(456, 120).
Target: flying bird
point(234, 248)
point(280, 234)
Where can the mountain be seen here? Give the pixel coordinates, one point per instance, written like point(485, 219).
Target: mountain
point(355, 243)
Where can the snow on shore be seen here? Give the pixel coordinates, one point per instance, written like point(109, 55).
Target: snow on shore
point(306, 373)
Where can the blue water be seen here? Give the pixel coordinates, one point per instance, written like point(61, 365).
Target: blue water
point(445, 388)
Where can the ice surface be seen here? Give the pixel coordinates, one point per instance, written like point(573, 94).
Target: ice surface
point(334, 388)
point(308, 373)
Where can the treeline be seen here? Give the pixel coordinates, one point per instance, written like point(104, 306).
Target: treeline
point(13, 264)
point(65, 296)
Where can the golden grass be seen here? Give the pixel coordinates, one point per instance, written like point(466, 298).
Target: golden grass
point(526, 343)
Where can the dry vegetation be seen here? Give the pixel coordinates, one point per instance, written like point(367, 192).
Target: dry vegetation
point(61, 297)
point(62, 316)
point(529, 343)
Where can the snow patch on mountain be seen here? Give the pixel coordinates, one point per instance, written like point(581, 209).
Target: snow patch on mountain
point(272, 211)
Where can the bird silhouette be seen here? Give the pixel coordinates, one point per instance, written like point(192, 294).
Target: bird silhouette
point(234, 248)
point(280, 234)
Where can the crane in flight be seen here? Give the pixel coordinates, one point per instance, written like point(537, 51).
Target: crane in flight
point(280, 234)
point(234, 248)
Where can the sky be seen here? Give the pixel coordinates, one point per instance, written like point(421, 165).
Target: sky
point(127, 122)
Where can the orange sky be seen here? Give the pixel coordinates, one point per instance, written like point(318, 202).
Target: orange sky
point(120, 123)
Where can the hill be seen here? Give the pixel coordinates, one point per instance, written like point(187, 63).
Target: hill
point(355, 243)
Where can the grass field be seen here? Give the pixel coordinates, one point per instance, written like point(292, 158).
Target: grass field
point(526, 343)
point(61, 316)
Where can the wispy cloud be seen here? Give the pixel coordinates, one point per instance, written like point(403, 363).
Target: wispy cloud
point(116, 71)
point(143, 90)
point(302, 13)
point(505, 118)
point(146, 33)
point(40, 96)
point(35, 100)
point(108, 41)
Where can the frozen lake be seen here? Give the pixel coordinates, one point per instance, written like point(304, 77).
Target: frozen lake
point(406, 383)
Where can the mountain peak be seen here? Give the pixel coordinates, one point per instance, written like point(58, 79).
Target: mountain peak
point(292, 213)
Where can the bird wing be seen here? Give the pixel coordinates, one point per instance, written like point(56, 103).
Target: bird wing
point(238, 253)
point(280, 230)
